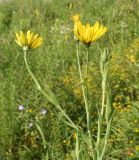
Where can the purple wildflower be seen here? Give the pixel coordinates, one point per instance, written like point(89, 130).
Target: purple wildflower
point(20, 107)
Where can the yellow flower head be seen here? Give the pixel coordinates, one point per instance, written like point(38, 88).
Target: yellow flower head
point(28, 40)
point(87, 33)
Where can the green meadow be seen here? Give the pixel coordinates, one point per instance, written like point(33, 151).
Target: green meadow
point(61, 102)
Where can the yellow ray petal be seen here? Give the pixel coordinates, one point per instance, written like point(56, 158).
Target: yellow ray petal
point(29, 37)
point(18, 42)
point(18, 39)
point(36, 42)
point(22, 38)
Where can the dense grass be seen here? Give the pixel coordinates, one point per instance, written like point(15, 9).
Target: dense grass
point(54, 64)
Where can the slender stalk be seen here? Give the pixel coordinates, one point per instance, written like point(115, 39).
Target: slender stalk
point(102, 111)
point(46, 94)
point(77, 150)
point(85, 86)
point(106, 140)
point(30, 72)
point(84, 91)
point(98, 134)
point(103, 96)
point(87, 62)
point(104, 66)
point(79, 67)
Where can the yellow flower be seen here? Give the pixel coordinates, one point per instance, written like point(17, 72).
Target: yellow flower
point(87, 33)
point(136, 130)
point(37, 12)
point(131, 155)
point(68, 142)
point(64, 141)
point(76, 18)
point(30, 110)
point(137, 148)
point(131, 141)
point(28, 40)
point(74, 135)
point(132, 59)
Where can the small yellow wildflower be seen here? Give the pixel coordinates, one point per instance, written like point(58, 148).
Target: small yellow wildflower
point(66, 38)
point(114, 104)
point(76, 18)
point(131, 141)
point(28, 40)
point(68, 142)
point(30, 110)
point(131, 155)
point(74, 135)
point(131, 58)
point(87, 33)
point(135, 121)
point(136, 130)
point(37, 12)
point(64, 141)
point(137, 148)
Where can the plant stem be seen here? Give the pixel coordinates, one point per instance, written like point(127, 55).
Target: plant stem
point(77, 150)
point(104, 66)
point(87, 62)
point(47, 94)
point(102, 111)
point(85, 88)
point(103, 96)
point(84, 91)
point(106, 138)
